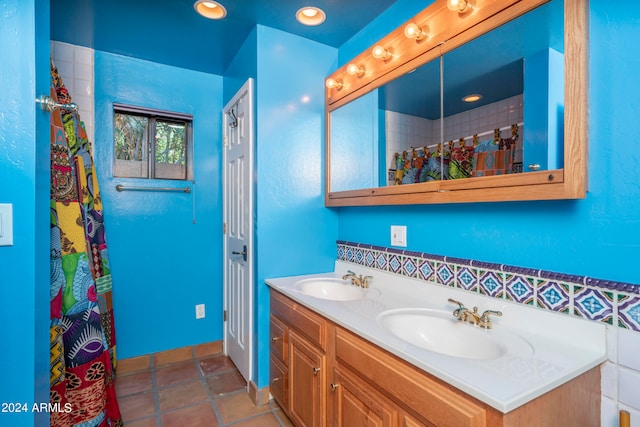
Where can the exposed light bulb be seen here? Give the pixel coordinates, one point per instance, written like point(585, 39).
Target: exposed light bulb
point(458, 5)
point(412, 31)
point(355, 70)
point(333, 84)
point(380, 52)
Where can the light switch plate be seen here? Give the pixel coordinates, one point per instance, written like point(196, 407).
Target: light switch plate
point(6, 224)
point(399, 235)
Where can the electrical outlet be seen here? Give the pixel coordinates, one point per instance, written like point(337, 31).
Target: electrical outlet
point(399, 235)
point(200, 311)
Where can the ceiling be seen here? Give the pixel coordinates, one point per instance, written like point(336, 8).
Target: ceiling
point(171, 32)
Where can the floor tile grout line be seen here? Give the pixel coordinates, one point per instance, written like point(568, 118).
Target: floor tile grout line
point(156, 393)
point(212, 400)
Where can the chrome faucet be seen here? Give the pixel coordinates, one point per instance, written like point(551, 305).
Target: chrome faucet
point(361, 281)
point(483, 320)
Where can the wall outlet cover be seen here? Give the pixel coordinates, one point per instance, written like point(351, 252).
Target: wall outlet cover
point(200, 311)
point(399, 235)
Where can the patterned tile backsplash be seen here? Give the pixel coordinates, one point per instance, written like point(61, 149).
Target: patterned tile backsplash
point(613, 303)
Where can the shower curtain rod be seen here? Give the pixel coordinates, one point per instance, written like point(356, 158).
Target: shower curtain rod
point(48, 104)
point(489, 132)
point(121, 187)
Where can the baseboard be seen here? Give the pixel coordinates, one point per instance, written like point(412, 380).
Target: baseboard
point(143, 363)
point(259, 396)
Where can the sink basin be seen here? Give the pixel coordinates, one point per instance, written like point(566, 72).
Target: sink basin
point(334, 289)
point(440, 332)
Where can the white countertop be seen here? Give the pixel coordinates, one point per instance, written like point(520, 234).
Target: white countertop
point(564, 346)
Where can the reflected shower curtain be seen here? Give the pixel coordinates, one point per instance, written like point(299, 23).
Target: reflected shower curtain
point(82, 328)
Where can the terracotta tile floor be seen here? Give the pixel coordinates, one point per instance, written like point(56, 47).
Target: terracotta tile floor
point(207, 392)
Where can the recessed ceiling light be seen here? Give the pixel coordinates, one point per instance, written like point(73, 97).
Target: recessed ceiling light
point(472, 98)
point(210, 9)
point(310, 15)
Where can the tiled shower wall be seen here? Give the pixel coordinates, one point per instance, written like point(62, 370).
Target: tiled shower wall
point(614, 303)
point(405, 131)
point(75, 66)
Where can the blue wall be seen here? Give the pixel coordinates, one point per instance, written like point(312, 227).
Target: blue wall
point(24, 173)
point(163, 263)
point(295, 233)
point(597, 236)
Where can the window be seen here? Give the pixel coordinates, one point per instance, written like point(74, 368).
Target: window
point(151, 144)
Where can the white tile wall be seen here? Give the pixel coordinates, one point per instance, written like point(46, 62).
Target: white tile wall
point(76, 67)
point(621, 377)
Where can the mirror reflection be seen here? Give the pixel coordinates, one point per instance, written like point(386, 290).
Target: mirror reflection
point(402, 134)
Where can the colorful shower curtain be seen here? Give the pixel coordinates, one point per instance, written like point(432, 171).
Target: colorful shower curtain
point(82, 329)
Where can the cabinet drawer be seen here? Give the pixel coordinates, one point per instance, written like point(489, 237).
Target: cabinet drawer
point(308, 323)
point(429, 398)
point(279, 339)
point(278, 381)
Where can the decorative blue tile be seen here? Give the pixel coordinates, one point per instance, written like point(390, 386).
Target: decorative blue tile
point(409, 266)
point(594, 299)
point(426, 269)
point(629, 312)
point(395, 263)
point(520, 288)
point(491, 283)
point(554, 296)
point(445, 275)
point(593, 304)
point(467, 278)
point(369, 258)
point(381, 261)
point(350, 253)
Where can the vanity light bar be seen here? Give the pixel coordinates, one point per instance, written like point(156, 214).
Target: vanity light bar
point(412, 31)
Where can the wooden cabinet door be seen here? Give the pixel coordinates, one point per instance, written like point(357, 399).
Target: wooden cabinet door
point(355, 403)
point(307, 382)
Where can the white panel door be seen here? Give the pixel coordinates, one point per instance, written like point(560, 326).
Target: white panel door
point(238, 239)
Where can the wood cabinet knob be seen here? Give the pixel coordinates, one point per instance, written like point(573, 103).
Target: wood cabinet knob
point(275, 380)
point(315, 371)
point(334, 386)
point(274, 339)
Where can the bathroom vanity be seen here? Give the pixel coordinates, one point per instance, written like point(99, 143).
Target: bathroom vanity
point(336, 360)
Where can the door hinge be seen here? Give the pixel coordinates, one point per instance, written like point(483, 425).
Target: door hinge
point(224, 141)
point(224, 316)
point(224, 228)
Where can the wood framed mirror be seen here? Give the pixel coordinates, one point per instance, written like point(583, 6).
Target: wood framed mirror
point(537, 42)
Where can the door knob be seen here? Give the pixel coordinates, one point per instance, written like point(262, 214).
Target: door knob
point(243, 253)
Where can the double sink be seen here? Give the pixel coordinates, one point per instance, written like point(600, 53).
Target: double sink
point(438, 331)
